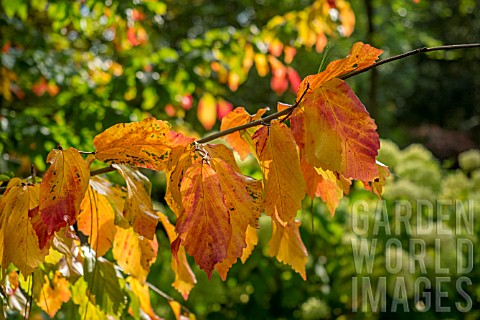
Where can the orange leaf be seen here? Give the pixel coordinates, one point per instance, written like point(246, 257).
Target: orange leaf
point(236, 118)
point(339, 133)
point(134, 253)
point(179, 161)
point(138, 210)
point(184, 277)
point(63, 188)
point(261, 64)
point(280, 165)
point(361, 56)
point(142, 292)
point(376, 186)
point(207, 111)
point(54, 294)
point(18, 241)
point(286, 244)
point(115, 196)
point(252, 241)
point(241, 207)
point(325, 184)
point(145, 144)
point(96, 219)
point(204, 226)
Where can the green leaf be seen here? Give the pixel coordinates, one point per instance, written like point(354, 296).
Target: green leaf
point(104, 285)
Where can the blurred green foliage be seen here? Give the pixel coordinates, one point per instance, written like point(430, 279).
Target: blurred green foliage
point(75, 68)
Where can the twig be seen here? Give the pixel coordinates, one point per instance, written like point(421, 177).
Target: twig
point(411, 53)
point(166, 296)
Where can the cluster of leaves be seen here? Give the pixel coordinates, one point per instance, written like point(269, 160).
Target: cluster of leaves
point(331, 140)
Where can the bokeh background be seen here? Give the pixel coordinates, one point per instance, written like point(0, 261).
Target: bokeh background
point(69, 70)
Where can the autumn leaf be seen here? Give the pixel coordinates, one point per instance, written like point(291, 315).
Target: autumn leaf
point(53, 294)
point(327, 185)
point(141, 290)
point(287, 246)
point(134, 253)
point(96, 219)
point(115, 195)
point(138, 210)
point(204, 226)
point(63, 188)
point(184, 277)
point(240, 205)
point(339, 134)
point(361, 56)
point(18, 239)
point(104, 286)
point(236, 118)
point(180, 159)
point(86, 308)
point(252, 240)
point(284, 185)
point(376, 186)
point(145, 144)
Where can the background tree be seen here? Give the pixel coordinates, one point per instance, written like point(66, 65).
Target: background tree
point(69, 71)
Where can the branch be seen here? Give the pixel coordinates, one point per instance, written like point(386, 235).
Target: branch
point(411, 53)
point(290, 109)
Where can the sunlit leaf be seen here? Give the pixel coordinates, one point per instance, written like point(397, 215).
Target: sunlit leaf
point(241, 211)
point(376, 186)
point(360, 57)
point(18, 240)
point(53, 294)
point(134, 253)
point(145, 144)
point(184, 277)
point(236, 118)
point(104, 285)
point(284, 185)
point(63, 188)
point(251, 240)
point(86, 308)
point(204, 226)
point(138, 210)
point(142, 292)
point(339, 133)
point(287, 246)
point(96, 219)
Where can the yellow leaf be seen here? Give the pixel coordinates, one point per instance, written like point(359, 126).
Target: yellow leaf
point(62, 189)
point(138, 210)
point(115, 195)
point(19, 241)
point(286, 244)
point(252, 241)
point(96, 219)
point(145, 144)
point(142, 292)
point(54, 294)
point(184, 277)
point(134, 253)
point(280, 165)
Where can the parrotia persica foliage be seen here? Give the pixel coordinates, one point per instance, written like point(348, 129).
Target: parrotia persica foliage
point(330, 140)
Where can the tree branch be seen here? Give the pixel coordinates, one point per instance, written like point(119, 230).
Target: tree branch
point(290, 109)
